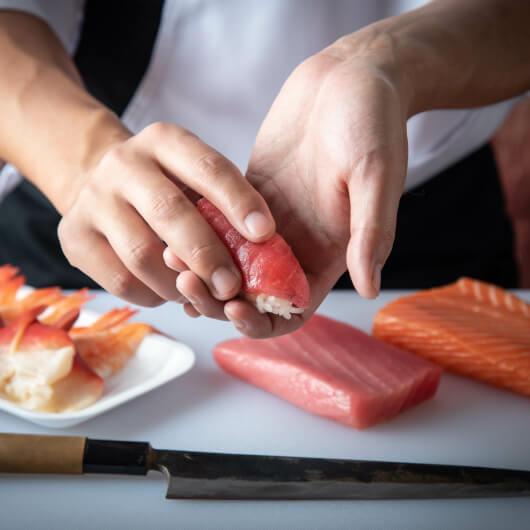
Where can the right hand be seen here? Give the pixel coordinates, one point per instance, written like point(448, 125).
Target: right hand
point(133, 227)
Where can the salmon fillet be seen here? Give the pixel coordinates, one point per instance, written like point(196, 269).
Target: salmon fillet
point(469, 327)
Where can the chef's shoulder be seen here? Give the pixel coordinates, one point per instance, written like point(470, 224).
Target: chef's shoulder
point(63, 16)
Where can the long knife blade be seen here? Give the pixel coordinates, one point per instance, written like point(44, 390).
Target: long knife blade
point(232, 476)
point(195, 475)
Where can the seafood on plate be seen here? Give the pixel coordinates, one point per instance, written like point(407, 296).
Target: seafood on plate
point(39, 369)
point(47, 364)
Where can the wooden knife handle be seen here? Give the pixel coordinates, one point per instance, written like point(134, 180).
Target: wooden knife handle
point(28, 453)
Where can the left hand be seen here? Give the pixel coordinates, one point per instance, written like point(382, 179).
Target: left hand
point(330, 160)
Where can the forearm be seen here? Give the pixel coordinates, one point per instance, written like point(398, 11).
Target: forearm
point(50, 127)
point(451, 53)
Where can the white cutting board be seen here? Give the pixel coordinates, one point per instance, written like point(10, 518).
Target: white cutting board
point(466, 423)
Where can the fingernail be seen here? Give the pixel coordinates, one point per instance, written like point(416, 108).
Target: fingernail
point(224, 281)
point(376, 278)
point(258, 224)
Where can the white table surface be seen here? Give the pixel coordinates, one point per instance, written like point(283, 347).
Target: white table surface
point(208, 410)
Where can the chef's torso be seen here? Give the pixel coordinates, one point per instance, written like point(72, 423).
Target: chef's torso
point(217, 65)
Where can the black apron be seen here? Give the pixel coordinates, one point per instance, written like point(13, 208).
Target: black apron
point(453, 225)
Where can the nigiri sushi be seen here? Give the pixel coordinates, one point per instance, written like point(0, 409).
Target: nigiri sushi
point(273, 279)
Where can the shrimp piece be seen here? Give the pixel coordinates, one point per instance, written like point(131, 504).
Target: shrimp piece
point(33, 357)
point(108, 344)
point(108, 320)
point(7, 272)
point(79, 389)
point(10, 338)
point(39, 369)
point(9, 289)
point(64, 313)
point(12, 307)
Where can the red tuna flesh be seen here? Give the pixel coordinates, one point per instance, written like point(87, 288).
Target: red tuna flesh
point(270, 267)
point(334, 370)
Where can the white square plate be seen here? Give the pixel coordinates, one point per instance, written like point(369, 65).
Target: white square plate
point(157, 361)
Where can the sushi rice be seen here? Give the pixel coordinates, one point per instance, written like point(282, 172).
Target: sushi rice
point(272, 304)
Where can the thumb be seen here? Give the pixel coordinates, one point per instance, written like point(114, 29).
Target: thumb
point(374, 191)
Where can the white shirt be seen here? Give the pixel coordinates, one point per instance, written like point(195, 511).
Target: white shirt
point(217, 66)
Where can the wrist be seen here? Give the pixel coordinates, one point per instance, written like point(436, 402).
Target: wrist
point(382, 55)
point(419, 54)
point(102, 131)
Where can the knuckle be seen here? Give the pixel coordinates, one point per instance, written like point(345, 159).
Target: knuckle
point(141, 254)
point(185, 135)
point(90, 194)
point(211, 165)
point(116, 157)
point(64, 231)
point(165, 206)
point(157, 130)
point(122, 284)
point(203, 254)
point(69, 239)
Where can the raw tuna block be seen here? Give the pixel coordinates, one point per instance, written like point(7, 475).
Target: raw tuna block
point(334, 370)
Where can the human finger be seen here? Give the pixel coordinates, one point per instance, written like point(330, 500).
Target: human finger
point(90, 251)
point(138, 248)
point(192, 287)
point(173, 261)
point(186, 157)
point(250, 322)
point(191, 311)
point(374, 200)
point(178, 223)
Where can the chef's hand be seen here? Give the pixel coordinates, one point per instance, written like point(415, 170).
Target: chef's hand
point(330, 160)
point(126, 201)
point(132, 217)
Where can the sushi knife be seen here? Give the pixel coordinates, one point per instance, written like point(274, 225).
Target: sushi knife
point(200, 475)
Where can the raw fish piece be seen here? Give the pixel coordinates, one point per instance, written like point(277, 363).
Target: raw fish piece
point(107, 344)
point(469, 327)
point(334, 370)
point(272, 277)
